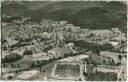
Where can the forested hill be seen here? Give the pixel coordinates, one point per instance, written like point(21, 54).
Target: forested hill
point(86, 14)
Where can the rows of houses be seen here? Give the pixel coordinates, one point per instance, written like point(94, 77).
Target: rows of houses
point(108, 58)
point(59, 31)
point(119, 71)
point(115, 57)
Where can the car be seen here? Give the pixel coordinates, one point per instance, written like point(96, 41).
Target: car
point(71, 68)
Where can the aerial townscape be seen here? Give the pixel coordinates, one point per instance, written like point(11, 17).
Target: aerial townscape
point(50, 49)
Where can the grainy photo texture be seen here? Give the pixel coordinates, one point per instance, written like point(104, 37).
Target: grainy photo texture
point(64, 40)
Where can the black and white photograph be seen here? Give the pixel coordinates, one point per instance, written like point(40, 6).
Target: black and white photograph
point(53, 40)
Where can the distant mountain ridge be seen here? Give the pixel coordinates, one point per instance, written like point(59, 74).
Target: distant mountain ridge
point(13, 9)
point(86, 14)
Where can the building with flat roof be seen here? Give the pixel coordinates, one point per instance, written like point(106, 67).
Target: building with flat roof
point(105, 32)
point(106, 69)
point(27, 75)
point(60, 51)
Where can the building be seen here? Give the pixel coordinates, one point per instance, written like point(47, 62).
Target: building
point(95, 59)
point(57, 36)
point(32, 25)
point(17, 21)
point(114, 43)
point(100, 34)
point(84, 31)
point(115, 30)
point(63, 22)
point(120, 71)
point(27, 74)
point(71, 47)
point(4, 23)
point(46, 35)
point(25, 18)
point(27, 62)
point(60, 51)
point(112, 55)
point(119, 38)
point(106, 69)
point(4, 54)
point(36, 56)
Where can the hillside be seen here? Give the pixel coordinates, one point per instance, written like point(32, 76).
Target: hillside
point(13, 9)
point(99, 18)
point(91, 16)
point(86, 14)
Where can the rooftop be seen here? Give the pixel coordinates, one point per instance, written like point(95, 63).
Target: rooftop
point(75, 58)
point(27, 74)
point(106, 31)
point(112, 55)
point(64, 50)
point(5, 70)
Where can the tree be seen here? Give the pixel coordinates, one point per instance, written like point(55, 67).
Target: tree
point(112, 62)
point(96, 50)
point(38, 62)
point(27, 52)
point(125, 56)
point(111, 76)
point(92, 35)
point(104, 61)
point(118, 63)
point(107, 47)
point(119, 57)
point(3, 40)
point(32, 64)
point(11, 57)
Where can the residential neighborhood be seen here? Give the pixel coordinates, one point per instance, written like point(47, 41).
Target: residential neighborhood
point(50, 49)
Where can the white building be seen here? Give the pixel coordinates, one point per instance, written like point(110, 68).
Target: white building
point(101, 32)
point(35, 56)
point(106, 69)
point(114, 43)
point(27, 74)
